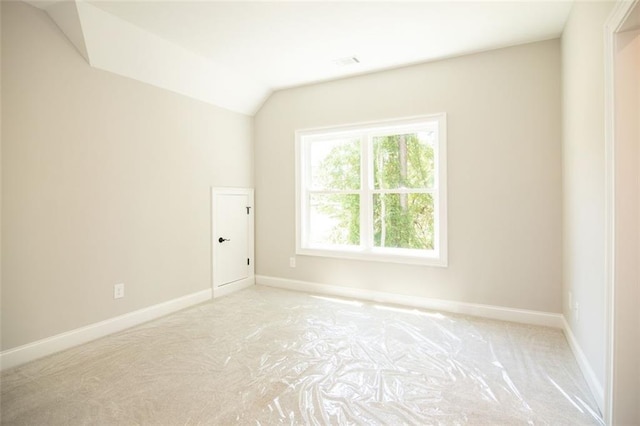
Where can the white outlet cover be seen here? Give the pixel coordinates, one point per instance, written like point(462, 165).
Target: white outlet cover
point(292, 262)
point(118, 291)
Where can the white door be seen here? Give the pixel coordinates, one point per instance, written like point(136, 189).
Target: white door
point(232, 238)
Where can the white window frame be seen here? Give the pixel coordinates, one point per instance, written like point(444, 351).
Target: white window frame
point(367, 250)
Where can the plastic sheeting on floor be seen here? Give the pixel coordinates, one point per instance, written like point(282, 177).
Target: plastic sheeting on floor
point(266, 356)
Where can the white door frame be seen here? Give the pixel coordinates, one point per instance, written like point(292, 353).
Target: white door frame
point(251, 279)
point(613, 25)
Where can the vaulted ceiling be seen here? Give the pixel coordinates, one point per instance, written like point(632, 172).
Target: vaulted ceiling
point(234, 54)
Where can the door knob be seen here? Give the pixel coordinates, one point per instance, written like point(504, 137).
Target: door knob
point(222, 240)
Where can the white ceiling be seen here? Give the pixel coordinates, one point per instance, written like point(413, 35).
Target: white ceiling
point(284, 44)
point(235, 53)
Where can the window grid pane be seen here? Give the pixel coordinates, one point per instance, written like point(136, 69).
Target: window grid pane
point(403, 221)
point(334, 219)
point(334, 164)
point(404, 160)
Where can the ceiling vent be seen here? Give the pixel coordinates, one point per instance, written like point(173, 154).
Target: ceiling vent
point(346, 61)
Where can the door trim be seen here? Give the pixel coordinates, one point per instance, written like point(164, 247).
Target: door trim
point(614, 24)
point(250, 280)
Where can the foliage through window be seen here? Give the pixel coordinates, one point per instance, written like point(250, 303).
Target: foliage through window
point(375, 191)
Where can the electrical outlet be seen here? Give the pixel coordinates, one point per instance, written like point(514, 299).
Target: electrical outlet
point(118, 291)
point(577, 312)
point(292, 262)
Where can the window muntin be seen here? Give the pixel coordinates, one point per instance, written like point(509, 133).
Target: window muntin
point(375, 191)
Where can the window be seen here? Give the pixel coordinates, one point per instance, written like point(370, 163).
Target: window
point(375, 191)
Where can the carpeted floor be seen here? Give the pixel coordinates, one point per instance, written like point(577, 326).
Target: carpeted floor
point(266, 356)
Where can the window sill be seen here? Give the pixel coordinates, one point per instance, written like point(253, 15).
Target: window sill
point(409, 257)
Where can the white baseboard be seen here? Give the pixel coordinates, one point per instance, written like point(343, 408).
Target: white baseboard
point(485, 311)
point(590, 376)
point(31, 351)
point(233, 287)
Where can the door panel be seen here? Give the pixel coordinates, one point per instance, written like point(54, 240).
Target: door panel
point(232, 226)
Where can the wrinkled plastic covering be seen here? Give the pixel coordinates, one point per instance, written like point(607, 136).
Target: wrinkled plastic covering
point(266, 356)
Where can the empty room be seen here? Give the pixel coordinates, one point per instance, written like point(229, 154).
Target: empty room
point(327, 213)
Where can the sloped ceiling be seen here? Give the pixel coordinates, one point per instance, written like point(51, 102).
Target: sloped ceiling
point(113, 44)
point(234, 54)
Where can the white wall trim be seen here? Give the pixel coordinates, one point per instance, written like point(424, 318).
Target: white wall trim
point(485, 311)
point(38, 349)
point(587, 371)
point(609, 212)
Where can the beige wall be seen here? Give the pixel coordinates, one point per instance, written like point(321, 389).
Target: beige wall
point(105, 180)
point(503, 117)
point(583, 178)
